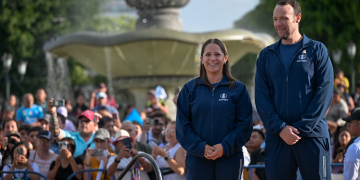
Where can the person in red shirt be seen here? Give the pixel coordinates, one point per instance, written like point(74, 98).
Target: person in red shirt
point(110, 100)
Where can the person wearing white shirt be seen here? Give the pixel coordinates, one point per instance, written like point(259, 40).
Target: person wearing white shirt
point(352, 155)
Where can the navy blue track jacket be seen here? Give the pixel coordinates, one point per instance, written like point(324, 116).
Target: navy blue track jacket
point(299, 96)
point(207, 116)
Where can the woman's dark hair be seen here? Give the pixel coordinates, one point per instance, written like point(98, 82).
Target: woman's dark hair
point(337, 143)
point(71, 143)
point(8, 120)
point(17, 145)
point(226, 66)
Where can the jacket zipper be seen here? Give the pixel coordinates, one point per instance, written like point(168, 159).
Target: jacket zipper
point(212, 112)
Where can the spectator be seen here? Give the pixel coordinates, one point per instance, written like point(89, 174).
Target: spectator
point(41, 100)
point(79, 106)
point(125, 155)
point(338, 150)
point(256, 139)
point(107, 123)
point(30, 112)
point(101, 104)
point(10, 139)
point(1, 137)
point(32, 135)
point(87, 123)
point(171, 156)
point(62, 112)
point(258, 158)
point(341, 79)
point(66, 164)
point(10, 125)
point(102, 141)
point(348, 99)
point(352, 155)
point(8, 113)
point(42, 155)
point(110, 100)
point(131, 129)
point(10, 104)
point(154, 105)
point(157, 123)
point(356, 96)
point(44, 122)
point(23, 130)
point(139, 129)
point(338, 109)
point(20, 163)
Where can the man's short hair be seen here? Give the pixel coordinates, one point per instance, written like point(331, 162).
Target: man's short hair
point(25, 127)
point(260, 132)
point(296, 5)
point(159, 114)
point(104, 120)
point(8, 120)
point(137, 123)
point(36, 128)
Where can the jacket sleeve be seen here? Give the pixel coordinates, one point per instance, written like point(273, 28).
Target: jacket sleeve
point(185, 134)
point(241, 133)
point(324, 81)
point(264, 104)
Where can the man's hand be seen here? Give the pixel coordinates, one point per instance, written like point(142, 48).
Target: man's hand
point(219, 151)
point(289, 135)
point(51, 108)
point(208, 150)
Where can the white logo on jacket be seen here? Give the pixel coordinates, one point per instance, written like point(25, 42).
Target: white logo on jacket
point(302, 57)
point(223, 97)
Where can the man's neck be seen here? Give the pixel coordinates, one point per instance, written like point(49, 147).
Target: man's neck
point(294, 38)
point(43, 154)
point(214, 78)
point(86, 136)
point(157, 136)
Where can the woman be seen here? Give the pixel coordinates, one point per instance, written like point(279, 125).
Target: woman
point(79, 106)
point(65, 163)
point(8, 142)
point(214, 118)
point(338, 150)
point(20, 163)
point(171, 156)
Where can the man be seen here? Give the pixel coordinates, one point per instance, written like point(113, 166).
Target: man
point(352, 155)
point(102, 104)
point(256, 139)
point(149, 136)
point(41, 100)
point(131, 129)
point(86, 126)
point(293, 90)
point(102, 88)
point(23, 130)
point(257, 154)
point(44, 122)
point(8, 113)
point(338, 110)
point(102, 141)
point(107, 123)
point(30, 112)
point(32, 135)
point(9, 106)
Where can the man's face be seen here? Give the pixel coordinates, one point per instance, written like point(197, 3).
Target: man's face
point(130, 129)
point(138, 129)
point(354, 128)
point(110, 127)
point(101, 144)
point(44, 125)
point(255, 141)
point(10, 126)
point(12, 100)
point(61, 125)
point(158, 128)
point(29, 100)
point(23, 135)
point(103, 89)
point(102, 101)
point(336, 98)
point(85, 125)
point(33, 137)
point(41, 95)
point(43, 144)
point(151, 98)
point(285, 21)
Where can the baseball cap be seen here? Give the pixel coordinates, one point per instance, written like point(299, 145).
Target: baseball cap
point(102, 134)
point(355, 115)
point(88, 114)
point(101, 85)
point(44, 134)
point(120, 135)
point(63, 111)
point(12, 133)
point(46, 118)
point(100, 95)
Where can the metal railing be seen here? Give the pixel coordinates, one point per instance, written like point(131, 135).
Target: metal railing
point(23, 172)
point(250, 167)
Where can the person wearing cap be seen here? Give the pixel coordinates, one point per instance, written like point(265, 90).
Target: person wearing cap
point(42, 155)
point(102, 88)
point(352, 155)
point(44, 122)
point(102, 142)
point(10, 139)
point(101, 105)
point(338, 109)
point(62, 112)
point(30, 112)
point(87, 123)
point(125, 155)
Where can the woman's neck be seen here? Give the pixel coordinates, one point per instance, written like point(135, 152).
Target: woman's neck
point(172, 144)
point(64, 162)
point(214, 78)
point(43, 154)
point(343, 145)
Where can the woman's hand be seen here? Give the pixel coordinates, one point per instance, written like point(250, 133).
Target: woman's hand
point(51, 108)
point(159, 151)
point(66, 154)
point(89, 153)
point(22, 159)
point(208, 150)
point(339, 158)
point(217, 153)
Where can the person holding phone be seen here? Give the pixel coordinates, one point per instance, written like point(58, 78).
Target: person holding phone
point(10, 139)
point(124, 144)
point(20, 162)
point(214, 118)
point(94, 157)
point(65, 164)
point(339, 148)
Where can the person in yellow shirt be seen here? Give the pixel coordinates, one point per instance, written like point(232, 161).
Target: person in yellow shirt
point(341, 79)
point(102, 141)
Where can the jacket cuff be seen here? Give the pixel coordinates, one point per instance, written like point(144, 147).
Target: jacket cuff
point(225, 148)
point(282, 126)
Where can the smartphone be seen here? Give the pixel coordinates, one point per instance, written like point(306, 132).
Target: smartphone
point(95, 118)
point(59, 103)
point(177, 90)
point(20, 151)
point(114, 115)
point(62, 145)
point(127, 143)
point(98, 153)
point(11, 141)
point(154, 121)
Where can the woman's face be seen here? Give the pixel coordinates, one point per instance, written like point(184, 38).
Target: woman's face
point(344, 138)
point(81, 99)
point(213, 58)
point(69, 147)
point(20, 147)
point(170, 135)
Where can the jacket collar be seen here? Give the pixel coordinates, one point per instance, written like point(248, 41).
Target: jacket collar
point(224, 81)
point(306, 42)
